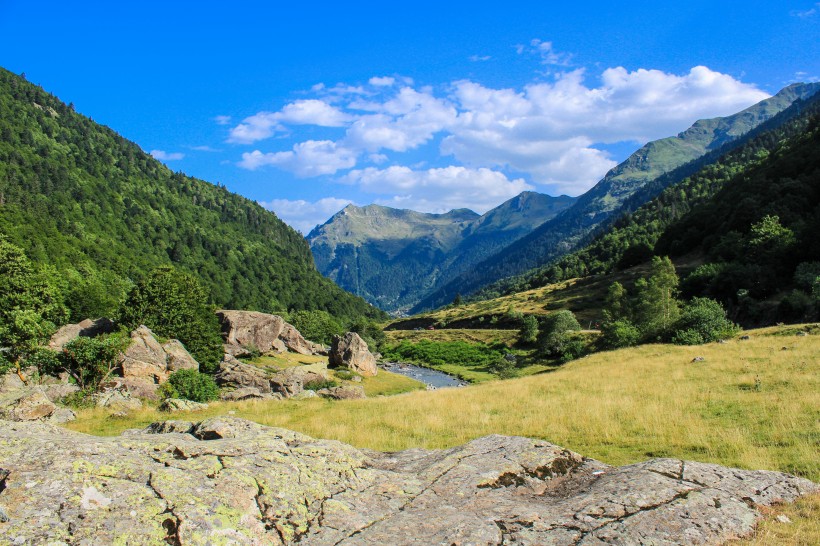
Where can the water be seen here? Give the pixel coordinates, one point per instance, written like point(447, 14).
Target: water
point(431, 378)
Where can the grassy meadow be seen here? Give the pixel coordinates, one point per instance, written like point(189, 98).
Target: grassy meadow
point(750, 403)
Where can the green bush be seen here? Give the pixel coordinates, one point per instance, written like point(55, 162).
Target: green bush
point(504, 367)
point(553, 336)
point(192, 385)
point(619, 333)
point(173, 304)
point(89, 361)
point(319, 384)
point(529, 330)
point(573, 347)
point(702, 320)
point(345, 375)
point(317, 326)
point(438, 353)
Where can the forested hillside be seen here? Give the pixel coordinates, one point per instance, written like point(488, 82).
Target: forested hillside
point(101, 213)
point(631, 238)
point(570, 229)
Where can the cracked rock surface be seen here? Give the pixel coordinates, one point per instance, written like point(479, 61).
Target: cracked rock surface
point(231, 481)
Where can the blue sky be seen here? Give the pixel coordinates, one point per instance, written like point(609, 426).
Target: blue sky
point(428, 105)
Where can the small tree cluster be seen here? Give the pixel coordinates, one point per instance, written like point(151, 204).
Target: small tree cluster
point(190, 385)
point(318, 326)
point(654, 313)
point(556, 339)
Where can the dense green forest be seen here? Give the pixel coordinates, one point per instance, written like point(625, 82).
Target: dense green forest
point(641, 177)
point(100, 213)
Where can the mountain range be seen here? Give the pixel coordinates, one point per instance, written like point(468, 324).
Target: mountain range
point(354, 255)
point(392, 257)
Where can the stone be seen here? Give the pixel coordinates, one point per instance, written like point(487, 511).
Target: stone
point(291, 381)
point(26, 404)
point(61, 415)
point(294, 341)
point(57, 391)
point(234, 374)
point(139, 387)
point(177, 357)
point(698, 359)
point(244, 393)
point(250, 329)
point(180, 404)
point(86, 328)
point(145, 358)
point(345, 392)
point(117, 399)
point(226, 480)
point(350, 351)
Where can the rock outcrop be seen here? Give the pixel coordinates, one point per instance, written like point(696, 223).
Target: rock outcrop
point(180, 404)
point(226, 480)
point(351, 351)
point(86, 328)
point(248, 331)
point(32, 404)
point(146, 363)
point(237, 376)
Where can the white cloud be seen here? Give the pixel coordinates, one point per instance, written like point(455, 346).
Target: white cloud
point(309, 158)
point(222, 120)
point(478, 58)
point(805, 14)
point(385, 81)
point(547, 133)
point(437, 190)
point(204, 149)
point(161, 155)
point(302, 215)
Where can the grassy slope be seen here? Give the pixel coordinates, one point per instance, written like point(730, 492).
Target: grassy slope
point(620, 407)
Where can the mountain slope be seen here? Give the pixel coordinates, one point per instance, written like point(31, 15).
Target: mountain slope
point(102, 213)
point(395, 257)
point(631, 236)
point(566, 231)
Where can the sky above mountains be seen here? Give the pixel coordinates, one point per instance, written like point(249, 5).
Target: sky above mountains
point(429, 105)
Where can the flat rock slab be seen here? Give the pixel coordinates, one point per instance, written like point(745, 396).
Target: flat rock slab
point(226, 480)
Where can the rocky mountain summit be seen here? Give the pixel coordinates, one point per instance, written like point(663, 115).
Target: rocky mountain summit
point(226, 480)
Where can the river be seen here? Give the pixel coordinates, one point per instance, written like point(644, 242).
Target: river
point(430, 377)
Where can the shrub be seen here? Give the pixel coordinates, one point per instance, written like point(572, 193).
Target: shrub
point(193, 385)
point(174, 304)
point(89, 361)
point(619, 333)
point(805, 274)
point(573, 347)
point(46, 361)
point(529, 329)
point(796, 306)
point(345, 375)
point(703, 320)
point(553, 336)
point(504, 367)
point(319, 384)
point(318, 326)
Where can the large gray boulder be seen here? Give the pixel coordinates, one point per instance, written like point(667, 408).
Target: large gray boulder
point(30, 403)
point(86, 328)
point(351, 351)
point(145, 358)
point(177, 357)
point(233, 374)
point(247, 330)
point(227, 480)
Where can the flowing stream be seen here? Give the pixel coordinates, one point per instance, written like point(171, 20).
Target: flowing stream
point(431, 378)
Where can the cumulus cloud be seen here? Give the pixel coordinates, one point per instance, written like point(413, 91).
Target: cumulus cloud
point(222, 120)
point(806, 14)
point(439, 189)
point(161, 155)
point(547, 134)
point(478, 58)
point(302, 215)
point(309, 158)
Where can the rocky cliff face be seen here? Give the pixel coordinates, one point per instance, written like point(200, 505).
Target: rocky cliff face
point(227, 480)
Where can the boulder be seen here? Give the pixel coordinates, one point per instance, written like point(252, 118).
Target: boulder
point(117, 399)
point(250, 329)
point(139, 387)
point(229, 480)
point(26, 404)
point(291, 381)
point(294, 341)
point(345, 392)
point(180, 404)
point(145, 358)
point(58, 391)
point(234, 374)
point(177, 357)
point(350, 351)
point(247, 393)
point(86, 328)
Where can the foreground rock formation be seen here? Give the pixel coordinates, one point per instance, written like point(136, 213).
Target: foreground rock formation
point(227, 480)
point(248, 331)
point(350, 351)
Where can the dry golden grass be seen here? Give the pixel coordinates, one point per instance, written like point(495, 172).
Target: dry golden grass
point(750, 404)
point(508, 337)
point(801, 529)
